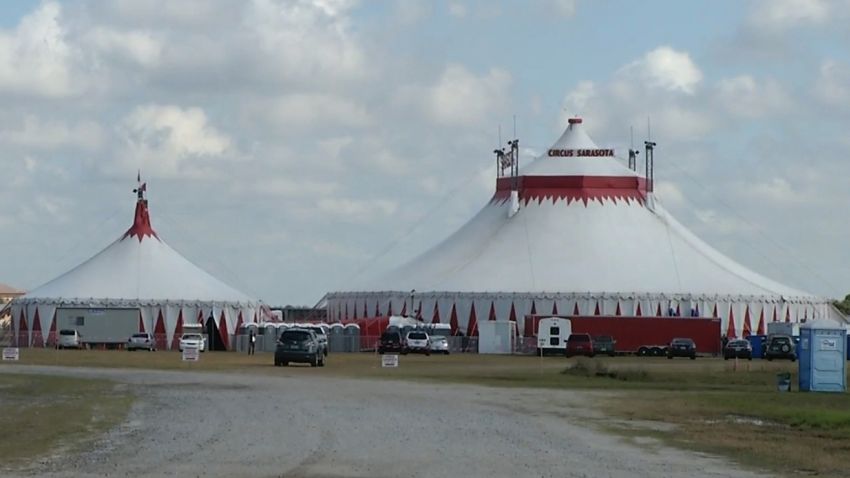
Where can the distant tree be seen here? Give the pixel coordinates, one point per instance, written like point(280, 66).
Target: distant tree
point(843, 305)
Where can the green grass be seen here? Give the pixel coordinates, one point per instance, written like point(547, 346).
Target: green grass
point(715, 405)
point(46, 415)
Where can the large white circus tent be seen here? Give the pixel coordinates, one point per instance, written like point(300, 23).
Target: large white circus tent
point(576, 232)
point(137, 271)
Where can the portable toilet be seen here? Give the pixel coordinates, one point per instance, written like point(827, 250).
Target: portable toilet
point(269, 338)
point(352, 337)
point(336, 338)
point(823, 364)
point(757, 343)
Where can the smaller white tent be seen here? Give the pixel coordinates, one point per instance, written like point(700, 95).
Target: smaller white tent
point(137, 271)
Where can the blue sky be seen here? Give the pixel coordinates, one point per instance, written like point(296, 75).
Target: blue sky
point(292, 147)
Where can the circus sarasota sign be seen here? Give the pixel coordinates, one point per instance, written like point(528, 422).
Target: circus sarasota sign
point(580, 152)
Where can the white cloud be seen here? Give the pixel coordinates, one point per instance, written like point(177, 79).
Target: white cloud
point(745, 96)
point(775, 190)
point(670, 193)
point(577, 100)
point(461, 97)
point(163, 137)
point(35, 59)
point(307, 40)
point(310, 110)
point(356, 210)
point(832, 86)
point(37, 134)
point(564, 8)
point(667, 68)
point(457, 10)
point(141, 47)
point(290, 187)
point(782, 14)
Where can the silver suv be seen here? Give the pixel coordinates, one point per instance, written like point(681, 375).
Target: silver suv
point(417, 341)
point(321, 335)
point(142, 341)
point(69, 339)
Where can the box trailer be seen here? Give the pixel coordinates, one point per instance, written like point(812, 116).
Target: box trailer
point(99, 326)
point(633, 333)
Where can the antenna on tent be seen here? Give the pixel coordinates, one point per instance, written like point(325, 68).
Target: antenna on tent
point(501, 159)
point(513, 160)
point(649, 158)
point(632, 151)
point(141, 188)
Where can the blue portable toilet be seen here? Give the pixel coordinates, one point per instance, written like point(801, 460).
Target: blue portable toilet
point(757, 343)
point(823, 352)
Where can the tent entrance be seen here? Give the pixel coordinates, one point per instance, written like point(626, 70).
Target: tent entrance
point(214, 341)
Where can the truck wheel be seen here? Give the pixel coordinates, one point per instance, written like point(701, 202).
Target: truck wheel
point(285, 363)
point(642, 352)
point(322, 362)
point(315, 360)
point(693, 357)
point(669, 357)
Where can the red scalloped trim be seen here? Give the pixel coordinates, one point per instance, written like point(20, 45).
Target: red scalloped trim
point(573, 188)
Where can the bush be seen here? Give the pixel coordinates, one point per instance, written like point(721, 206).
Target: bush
point(584, 368)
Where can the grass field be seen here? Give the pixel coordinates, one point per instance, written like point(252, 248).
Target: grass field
point(45, 415)
point(715, 406)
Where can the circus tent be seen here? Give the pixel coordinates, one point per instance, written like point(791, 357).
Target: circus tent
point(576, 232)
point(137, 271)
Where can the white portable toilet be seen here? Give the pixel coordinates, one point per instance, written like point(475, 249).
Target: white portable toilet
point(822, 353)
point(352, 337)
point(336, 338)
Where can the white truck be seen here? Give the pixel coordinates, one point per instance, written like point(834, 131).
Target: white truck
point(552, 335)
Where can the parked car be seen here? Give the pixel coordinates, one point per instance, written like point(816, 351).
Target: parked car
point(417, 341)
point(682, 347)
point(439, 344)
point(579, 344)
point(390, 342)
point(142, 341)
point(321, 335)
point(300, 346)
point(69, 339)
point(780, 347)
point(604, 344)
point(192, 341)
point(738, 349)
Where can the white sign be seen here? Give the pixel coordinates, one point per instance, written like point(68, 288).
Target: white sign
point(828, 344)
point(191, 354)
point(11, 353)
point(389, 361)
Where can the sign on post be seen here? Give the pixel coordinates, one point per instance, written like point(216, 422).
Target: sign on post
point(11, 353)
point(389, 361)
point(191, 354)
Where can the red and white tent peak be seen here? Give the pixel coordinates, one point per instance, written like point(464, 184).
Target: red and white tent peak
point(137, 271)
point(589, 238)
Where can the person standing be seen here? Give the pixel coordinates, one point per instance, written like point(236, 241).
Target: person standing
point(252, 339)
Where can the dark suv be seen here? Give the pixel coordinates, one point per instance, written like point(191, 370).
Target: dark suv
point(604, 344)
point(390, 342)
point(780, 347)
point(681, 347)
point(300, 346)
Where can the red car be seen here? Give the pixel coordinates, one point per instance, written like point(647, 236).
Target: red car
point(579, 344)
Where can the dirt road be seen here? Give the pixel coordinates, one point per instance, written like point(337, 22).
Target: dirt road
point(208, 424)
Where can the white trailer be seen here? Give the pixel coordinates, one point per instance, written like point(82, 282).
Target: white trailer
point(552, 335)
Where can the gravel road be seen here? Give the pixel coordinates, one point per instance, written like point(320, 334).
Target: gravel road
point(211, 424)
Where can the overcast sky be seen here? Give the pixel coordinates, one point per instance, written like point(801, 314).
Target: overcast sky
point(293, 147)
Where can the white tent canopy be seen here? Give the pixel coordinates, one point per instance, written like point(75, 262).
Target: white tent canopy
point(139, 270)
point(589, 238)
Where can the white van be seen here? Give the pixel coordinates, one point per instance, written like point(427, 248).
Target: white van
point(552, 335)
point(69, 339)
